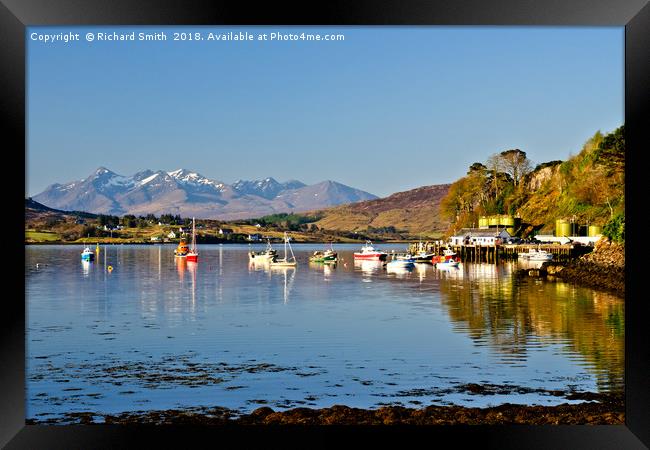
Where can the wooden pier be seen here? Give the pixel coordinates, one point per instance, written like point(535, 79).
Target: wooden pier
point(493, 253)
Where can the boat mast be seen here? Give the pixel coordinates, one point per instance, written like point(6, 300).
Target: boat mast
point(193, 237)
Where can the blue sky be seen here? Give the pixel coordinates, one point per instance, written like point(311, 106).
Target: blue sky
point(386, 110)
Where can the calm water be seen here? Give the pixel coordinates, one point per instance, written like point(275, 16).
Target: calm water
point(156, 333)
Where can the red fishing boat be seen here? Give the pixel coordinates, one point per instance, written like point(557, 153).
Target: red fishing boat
point(371, 253)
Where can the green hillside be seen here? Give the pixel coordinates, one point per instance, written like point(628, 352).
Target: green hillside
point(588, 188)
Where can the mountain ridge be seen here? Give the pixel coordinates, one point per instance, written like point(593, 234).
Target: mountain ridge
point(189, 193)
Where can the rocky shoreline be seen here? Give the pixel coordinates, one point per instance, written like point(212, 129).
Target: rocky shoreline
point(603, 268)
point(608, 410)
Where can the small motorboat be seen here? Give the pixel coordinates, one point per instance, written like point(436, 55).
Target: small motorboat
point(536, 255)
point(327, 256)
point(396, 263)
point(448, 259)
point(370, 253)
point(264, 256)
point(87, 255)
point(424, 257)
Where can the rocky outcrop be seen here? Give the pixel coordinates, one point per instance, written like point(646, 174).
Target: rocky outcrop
point(604, 268)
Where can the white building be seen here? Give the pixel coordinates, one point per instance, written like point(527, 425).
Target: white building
point(254, 237)
point(171, 235)
point(479, 236)
point(225, 231)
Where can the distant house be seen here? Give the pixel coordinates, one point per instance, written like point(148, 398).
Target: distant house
point(258, 225)
point(254, 237)
point(155, 238)
point(225, 231)
point(181, 231)
point(171, 235)
point(479, 236)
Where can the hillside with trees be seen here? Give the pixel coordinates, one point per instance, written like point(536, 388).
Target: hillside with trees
point(588, 188)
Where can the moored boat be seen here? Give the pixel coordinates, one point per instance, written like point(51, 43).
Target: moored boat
point(536, 255)
point(193, 254)
point(87, 255)
point(264, 256)
point(371, 253)
point(424, 257)
point(286, 261)
point(448, 259)
point(182, 249)
point(327, 256)
point(400, 263)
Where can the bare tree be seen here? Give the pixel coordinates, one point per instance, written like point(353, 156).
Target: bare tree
point(514, 163)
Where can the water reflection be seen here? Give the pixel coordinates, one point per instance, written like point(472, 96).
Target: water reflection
point(515, 317)
point(368, 268)
point(476, 323)
point(326, 268)
point(400, 272)
point(289, 274)
point(85, 267)
point(181, 265)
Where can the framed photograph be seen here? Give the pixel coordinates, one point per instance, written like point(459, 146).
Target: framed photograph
point(354, 218)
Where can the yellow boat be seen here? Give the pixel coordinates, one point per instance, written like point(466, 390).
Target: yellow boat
point(182, 250)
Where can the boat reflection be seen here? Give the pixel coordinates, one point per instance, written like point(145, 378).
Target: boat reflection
point(85, 267)
point(368, 267)
point(400, 271)
point(181, 265)
point(259, 264)
point(289, 274)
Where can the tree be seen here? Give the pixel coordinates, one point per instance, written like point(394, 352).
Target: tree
point(514, 163)
point(611, 150)
point(477, 167)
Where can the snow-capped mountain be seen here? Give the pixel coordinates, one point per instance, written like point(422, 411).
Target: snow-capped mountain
point(189, 193)
point(268, 188)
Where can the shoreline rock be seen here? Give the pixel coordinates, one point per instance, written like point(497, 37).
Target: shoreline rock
point(604, 268)
point(609, 410)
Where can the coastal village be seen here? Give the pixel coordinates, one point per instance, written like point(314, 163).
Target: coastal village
point(503, 209)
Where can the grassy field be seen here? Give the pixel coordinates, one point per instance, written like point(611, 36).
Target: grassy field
point(41, 236)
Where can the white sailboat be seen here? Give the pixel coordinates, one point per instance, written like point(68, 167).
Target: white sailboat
point(286, 261)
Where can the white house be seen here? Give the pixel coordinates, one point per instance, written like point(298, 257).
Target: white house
point(479, 236)
point(171, 235)
point(225, 231)
point(254, 237)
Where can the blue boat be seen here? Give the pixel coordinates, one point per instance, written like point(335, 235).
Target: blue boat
point(87, 255)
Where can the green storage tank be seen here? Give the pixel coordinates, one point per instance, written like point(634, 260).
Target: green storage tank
point(595, 230)
point(483, 222)
point(562, 228)
point(494, 221)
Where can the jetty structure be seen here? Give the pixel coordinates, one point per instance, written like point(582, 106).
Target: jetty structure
point(492, 241)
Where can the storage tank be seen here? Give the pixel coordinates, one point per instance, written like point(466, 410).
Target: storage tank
point(595, 230)
point(562, 228)
point(483, 222)
point(507, 221)
point(494, 221)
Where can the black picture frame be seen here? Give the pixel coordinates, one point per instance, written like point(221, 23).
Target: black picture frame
point(15, 15)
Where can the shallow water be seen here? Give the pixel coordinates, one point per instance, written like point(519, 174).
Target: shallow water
point(156, 333)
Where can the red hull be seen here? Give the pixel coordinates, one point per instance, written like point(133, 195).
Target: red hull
point(371, 256)
point(192, 257)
